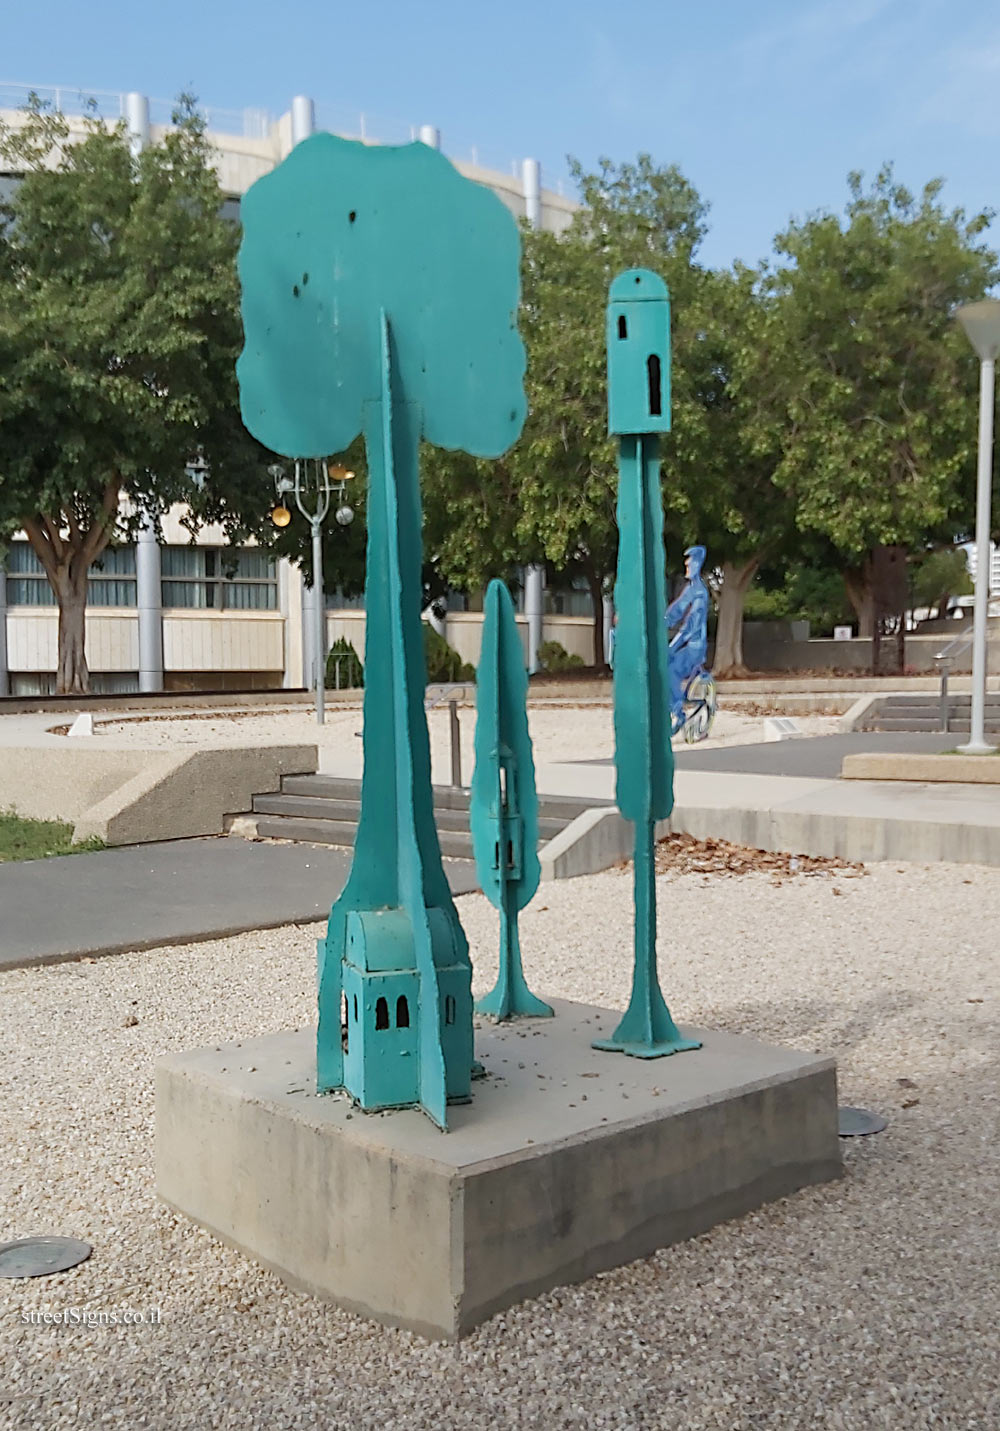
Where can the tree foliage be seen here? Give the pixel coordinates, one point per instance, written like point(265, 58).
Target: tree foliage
point(119, 332)
point(552, 498)
point(879, 433)
point(940, 575)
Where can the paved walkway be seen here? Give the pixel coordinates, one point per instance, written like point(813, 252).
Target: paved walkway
point(185, 890)
point(813, 757)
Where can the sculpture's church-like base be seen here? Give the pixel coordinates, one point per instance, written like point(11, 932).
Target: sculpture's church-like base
point(568, 1162)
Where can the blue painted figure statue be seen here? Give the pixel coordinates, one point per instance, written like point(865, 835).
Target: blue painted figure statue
point(689, 643)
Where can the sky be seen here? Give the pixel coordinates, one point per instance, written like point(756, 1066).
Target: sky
point(765, 105)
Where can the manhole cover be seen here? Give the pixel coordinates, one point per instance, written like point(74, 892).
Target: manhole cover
point(41, 1256)
point(856, 1122)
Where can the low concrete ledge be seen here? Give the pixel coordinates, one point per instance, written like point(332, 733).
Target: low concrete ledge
point(63, 779)
point(955, 769)
point(594, 841)
point(844, 835)
point(181, 795)
point(568, 1162)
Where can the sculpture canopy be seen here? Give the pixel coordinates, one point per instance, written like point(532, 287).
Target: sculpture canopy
point(342, 231)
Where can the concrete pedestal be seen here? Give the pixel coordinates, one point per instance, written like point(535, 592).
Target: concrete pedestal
point(567, 1162)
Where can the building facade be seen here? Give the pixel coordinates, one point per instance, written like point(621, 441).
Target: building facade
point(169, 614)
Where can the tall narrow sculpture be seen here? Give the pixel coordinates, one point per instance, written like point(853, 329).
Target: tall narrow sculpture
point(380, 291)
point(504, 802)
point(638, 338)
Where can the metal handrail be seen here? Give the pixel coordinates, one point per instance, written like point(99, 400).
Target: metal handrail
point(956, 644)
point(944, 659)
point(448, 693)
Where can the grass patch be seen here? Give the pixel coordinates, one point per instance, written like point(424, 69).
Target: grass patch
point(22, 839)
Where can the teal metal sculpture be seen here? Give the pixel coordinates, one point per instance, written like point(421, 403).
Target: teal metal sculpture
point(380, 292)
point(638, 340)
point(504, 803)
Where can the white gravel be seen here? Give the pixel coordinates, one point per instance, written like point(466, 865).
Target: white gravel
point(560, 732)
point(870, 1303)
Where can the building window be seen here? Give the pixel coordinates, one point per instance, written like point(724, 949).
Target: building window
point(402, 1013)
point(111, 581)
point(103, 683)
point(219, 579)
point(572, 600)
point(337, 601)
point(381, 1014)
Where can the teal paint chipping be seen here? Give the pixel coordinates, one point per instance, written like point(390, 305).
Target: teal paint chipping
point(639, 311)
point(504, 803)
point(380, 293)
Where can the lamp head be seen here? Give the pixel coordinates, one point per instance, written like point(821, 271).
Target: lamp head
point(981, 322)
point(280, 515)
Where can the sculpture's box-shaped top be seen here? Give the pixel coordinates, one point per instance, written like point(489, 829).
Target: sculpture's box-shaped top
point(638, 354)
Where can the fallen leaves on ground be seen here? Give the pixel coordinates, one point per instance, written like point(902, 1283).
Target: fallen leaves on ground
point(684, 854)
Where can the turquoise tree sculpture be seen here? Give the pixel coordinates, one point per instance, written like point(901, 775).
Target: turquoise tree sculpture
point(504, 802)
point(638, 338)
point(380, 293)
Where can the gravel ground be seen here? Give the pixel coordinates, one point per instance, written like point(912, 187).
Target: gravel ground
point(869, 1303)
point(559, 733)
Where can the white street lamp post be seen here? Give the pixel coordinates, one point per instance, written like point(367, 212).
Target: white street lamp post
point(316, 518)
point(981, 322)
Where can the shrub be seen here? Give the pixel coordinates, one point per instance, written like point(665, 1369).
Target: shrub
point(554, 657)
point(443, 661)
point(351, 671)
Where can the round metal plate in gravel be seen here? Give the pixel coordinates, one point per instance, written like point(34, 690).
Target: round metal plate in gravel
point(857, 1122)
point(41, 1256)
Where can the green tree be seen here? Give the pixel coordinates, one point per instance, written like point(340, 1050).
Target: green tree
point(939, 576)
point(719, 464)
point(878, 382)
point(119, 331)
point(552, 497)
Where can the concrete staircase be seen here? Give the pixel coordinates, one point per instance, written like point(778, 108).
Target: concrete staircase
point(324, 810)
point(922, 711)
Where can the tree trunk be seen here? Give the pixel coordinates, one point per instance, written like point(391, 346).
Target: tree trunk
point(67, 549)
point(736, 581)
point(596, 585)
point(860, 587)
point(72, 675)
point(942, 606)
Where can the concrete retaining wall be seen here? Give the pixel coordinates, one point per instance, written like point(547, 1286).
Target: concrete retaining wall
point(190, 794)
point(823, 653)
point(594, 841)
point(60, 781)
point(133, 796)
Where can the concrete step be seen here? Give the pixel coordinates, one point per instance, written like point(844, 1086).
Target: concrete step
point(956, 726)
point(957, 700)
point(331, 787)
point(929, 712)
point(315, 807)
point(446, 797)
point(454, 844)
point(309, 807)
point(904, 723)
